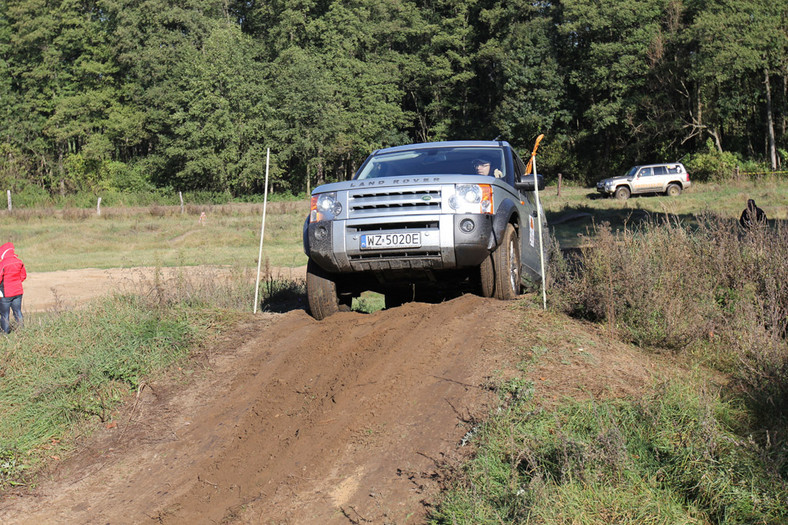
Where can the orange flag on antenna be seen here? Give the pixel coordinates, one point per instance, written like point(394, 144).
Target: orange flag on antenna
point(530, 164)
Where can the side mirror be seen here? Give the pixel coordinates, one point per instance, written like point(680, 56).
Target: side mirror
point(527, 183)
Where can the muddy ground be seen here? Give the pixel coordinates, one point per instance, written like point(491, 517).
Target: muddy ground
point(348, 420)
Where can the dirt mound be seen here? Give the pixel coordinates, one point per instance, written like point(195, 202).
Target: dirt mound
point(340, 421)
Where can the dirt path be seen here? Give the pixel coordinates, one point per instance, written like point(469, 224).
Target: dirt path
point(290, 420)
point(71, 288)
point(294, 421)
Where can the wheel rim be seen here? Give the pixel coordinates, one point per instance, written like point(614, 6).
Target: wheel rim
point(513, 266)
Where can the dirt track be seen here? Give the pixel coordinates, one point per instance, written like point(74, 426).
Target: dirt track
point(290, 420)
point(294, 421)
point(72, 288)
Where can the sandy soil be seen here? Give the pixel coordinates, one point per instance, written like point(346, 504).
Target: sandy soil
point(72, 288)
point(290, 420)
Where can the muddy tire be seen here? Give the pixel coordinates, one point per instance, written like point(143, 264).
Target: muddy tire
point(506, 263)
point(622, 193)
point(321, 292)
point(674, 190)
point(487, 277)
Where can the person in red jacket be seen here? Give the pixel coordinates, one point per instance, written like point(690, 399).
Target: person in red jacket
point(12, 273)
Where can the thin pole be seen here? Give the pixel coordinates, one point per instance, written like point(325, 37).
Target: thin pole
point(262, 229)
point(539, 222)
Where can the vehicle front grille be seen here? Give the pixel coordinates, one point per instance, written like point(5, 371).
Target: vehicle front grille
point(390, 226)
point(383, 201)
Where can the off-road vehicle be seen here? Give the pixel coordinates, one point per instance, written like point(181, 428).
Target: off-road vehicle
point(670, 179)
point(424, 218)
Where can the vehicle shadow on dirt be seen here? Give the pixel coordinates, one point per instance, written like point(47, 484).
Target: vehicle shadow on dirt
point(283, 296)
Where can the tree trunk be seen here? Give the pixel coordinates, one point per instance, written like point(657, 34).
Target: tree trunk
point(770, 121)
point(785, 98)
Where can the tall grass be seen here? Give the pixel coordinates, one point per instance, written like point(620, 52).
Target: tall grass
point(676, 456)
point(714, 292)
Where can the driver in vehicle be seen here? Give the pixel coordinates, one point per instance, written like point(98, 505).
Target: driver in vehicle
point(482, 166)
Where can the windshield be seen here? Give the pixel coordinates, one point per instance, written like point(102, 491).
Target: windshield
point(631, 173)
point(436, 161)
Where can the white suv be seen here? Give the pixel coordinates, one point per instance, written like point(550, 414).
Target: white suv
point(670, 179)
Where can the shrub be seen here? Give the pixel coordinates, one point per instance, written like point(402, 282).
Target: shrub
point(712, 165)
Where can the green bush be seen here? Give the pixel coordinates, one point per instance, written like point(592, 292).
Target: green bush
point(712, 165)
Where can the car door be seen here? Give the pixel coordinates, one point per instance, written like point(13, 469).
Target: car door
point(643, 180)
point(660, 178)
point(529, 233)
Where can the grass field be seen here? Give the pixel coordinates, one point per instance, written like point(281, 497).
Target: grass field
point(585, 207)
point(49, 239)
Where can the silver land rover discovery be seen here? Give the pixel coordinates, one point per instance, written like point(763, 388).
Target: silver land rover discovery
point(430, 217)
point(670, 179)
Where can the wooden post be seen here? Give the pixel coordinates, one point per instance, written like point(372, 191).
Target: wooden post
point(9, 200)
point(180, 195)
point(98, 207)
point(559, 185)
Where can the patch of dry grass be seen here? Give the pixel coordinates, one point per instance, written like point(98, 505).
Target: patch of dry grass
point(50, 239)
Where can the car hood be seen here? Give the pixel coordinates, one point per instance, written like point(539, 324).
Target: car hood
point(613, 179)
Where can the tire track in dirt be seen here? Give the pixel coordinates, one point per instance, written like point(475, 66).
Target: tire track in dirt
point(296, 421)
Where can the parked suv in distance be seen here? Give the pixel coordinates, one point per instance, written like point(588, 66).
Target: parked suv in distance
point(670, 179)
point(421, 219)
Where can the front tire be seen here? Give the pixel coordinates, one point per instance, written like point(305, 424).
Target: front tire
point(622, 193)
point(487, 277)
point(506, 263)
point(321, 292)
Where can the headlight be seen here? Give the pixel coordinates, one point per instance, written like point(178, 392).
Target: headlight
point(472, 198)
point(324, 207)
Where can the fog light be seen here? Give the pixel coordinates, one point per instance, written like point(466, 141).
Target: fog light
point(321, 232)
point(467, 225)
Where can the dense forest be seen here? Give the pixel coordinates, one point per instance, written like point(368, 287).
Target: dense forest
point(133, 95)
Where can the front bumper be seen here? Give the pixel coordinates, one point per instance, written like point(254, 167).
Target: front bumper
point(445, 245)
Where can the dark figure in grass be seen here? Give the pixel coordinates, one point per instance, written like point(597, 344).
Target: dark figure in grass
point(752, 216)
point(12, 273)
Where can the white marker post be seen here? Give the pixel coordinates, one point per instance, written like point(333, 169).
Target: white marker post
point(532, 164)
point(262, 229)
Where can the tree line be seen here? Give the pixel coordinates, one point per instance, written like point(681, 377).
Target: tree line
point(133, 95)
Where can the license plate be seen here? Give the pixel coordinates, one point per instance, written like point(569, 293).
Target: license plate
point(386, 241)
